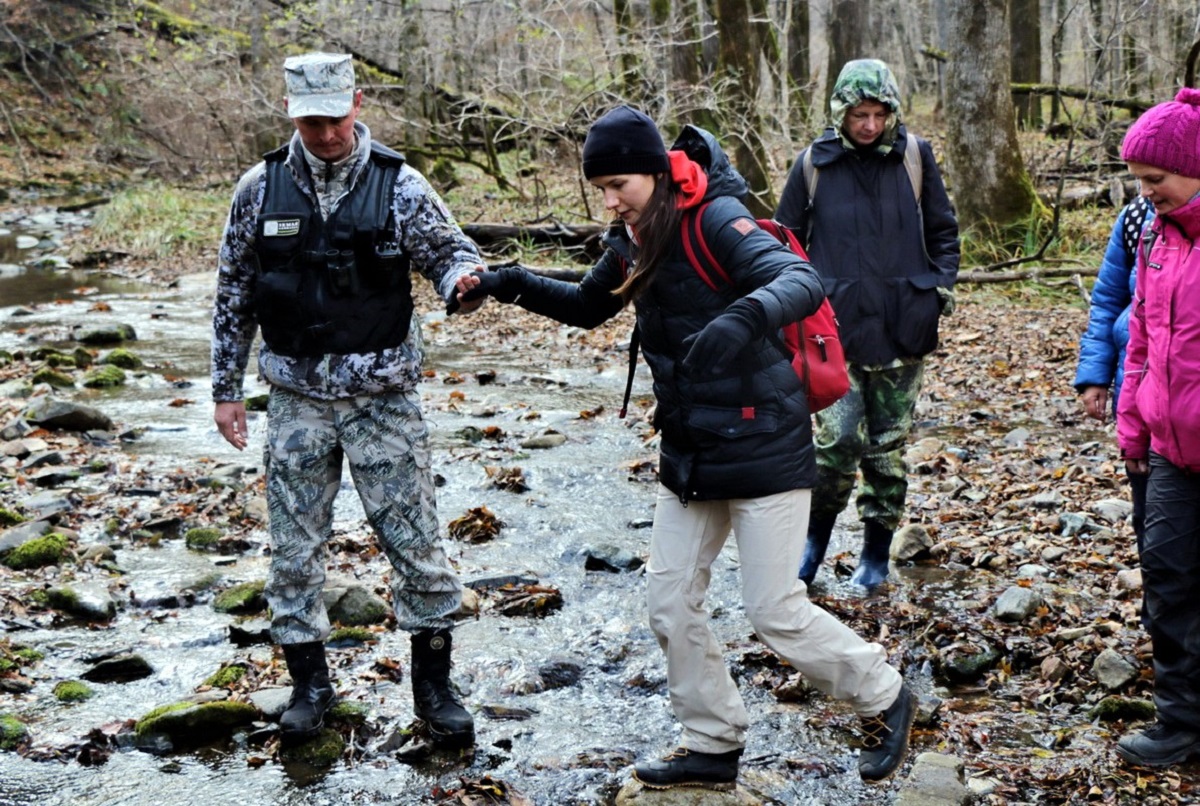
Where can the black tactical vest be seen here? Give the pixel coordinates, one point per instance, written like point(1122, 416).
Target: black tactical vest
point(337, 286)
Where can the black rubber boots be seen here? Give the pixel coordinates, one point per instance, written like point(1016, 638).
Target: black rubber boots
point(434, 699)
point(312, 693)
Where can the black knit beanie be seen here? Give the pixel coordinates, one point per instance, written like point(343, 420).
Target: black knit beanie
point(624, 141)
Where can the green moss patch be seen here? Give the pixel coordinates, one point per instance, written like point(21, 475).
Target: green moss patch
point(202, 538)
point(123, 358)
point(38, 553)
point(226, 676)
point(12, 732)
point(104, 377)
point(189, 723)
point(73, 691)
point(244, 598)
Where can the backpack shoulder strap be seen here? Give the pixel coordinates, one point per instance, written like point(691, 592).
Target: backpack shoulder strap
point(695, 246)
point(1149, 236)
point(810, 174)
point(912, 164)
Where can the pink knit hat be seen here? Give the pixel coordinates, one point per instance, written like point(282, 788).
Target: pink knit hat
point(1167, 136)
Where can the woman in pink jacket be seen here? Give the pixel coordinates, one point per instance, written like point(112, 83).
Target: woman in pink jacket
point(1158, 420)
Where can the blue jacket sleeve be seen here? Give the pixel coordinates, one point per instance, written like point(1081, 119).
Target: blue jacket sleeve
point(1098, 348)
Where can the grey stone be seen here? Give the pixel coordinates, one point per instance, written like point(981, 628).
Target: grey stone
point(935, 780)
point(1112, 671)
point(1017, 604)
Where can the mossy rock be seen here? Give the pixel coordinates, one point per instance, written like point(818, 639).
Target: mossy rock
point(12, 732)
point(350, 636)
point(104, 377)
point(1112, 709)
point(73, 691)
point(188, 724)
point(47, 354)
point(226, 676)
point(83, 358)
point(349, 712)
point(38, 553)
point(244, 598)
point(57, 360)
point(257, 402)
point(28, 654)
point(323, 750)
point(10, 517)
point(59, 380)
point(97, 465)
point(108, 335)
point(125, 359)
point(201, 538)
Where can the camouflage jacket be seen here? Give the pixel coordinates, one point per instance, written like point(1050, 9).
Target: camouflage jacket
point(426, 231)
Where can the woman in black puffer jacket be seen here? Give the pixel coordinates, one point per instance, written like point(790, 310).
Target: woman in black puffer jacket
point(736, 438)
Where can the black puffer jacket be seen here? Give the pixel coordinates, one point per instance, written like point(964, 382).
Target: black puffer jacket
point(880, 257)
point(709, 449)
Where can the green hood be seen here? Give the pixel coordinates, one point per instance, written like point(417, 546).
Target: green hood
point(866, 80)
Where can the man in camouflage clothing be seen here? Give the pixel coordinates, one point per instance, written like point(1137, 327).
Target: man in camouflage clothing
point(882, 233)
point(316, 253)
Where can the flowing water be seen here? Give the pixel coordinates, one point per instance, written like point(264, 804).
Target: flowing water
point(576, 746)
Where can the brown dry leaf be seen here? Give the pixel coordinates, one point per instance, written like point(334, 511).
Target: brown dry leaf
point(478, 525)
point(180, 402)
point(510, 479)
point(527, 600)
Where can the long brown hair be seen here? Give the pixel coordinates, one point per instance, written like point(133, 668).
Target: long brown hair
point(657, 230)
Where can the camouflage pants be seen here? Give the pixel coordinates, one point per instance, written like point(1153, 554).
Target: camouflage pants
point(867, 430)
point(385, 440)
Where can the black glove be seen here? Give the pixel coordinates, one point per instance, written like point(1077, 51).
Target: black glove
point(502, 284)
point(719, 343)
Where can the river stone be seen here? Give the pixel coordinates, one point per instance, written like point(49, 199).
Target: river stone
point(1017, 604)
point(272, 702)
point(119, 669)
point(60, 414)
point(544, 441)
point(15, 389)
point(634, 794)
point(248, 632)
point(52, 477)
point(108, 335)
point(22, 533)
point(611, 558)
point(1113, 510)
point(246, 597)
point(1112, 671)
point(89, 602)
point(935, 780)
point(188, 724)
point(967, 661)
point(1129, 579)
point(41, 459)
point(356, 607)
point(98, 553)
point(911, 542)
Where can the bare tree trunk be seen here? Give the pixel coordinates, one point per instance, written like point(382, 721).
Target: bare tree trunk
point(847, 32)
point(1061, 13)
point(627, 37)
point(994, 189)
point(739, 65)
point(1025, 28)
point(796, 36)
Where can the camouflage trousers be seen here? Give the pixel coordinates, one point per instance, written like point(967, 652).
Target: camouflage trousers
point(385, 440)
point(867, 430)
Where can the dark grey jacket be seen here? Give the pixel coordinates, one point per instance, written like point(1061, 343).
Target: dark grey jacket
point(881, 258)
point(710, 450)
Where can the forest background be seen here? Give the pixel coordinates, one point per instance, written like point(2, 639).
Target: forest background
point(166, 103)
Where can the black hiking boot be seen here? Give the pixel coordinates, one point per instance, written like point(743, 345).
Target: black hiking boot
point(872, 568)
point(312, 693)
point(819, 532)
point(1159, 745)
point(683, 767)
point(434, 699)
point(885, 737)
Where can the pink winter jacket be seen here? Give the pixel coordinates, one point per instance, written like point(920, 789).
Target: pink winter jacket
point(1159, 408)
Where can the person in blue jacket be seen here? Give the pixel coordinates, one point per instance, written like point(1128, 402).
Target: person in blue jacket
point(1102, 347)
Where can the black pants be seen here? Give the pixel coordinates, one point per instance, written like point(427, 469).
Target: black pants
point(1171, 580)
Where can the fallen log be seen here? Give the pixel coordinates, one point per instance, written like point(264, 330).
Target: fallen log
point(556, 234)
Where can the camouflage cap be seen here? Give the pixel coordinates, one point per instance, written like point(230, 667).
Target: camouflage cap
point(319, 84)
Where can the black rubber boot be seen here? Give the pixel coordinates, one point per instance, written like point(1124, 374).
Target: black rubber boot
point(872, 568)
point(434, 700)
point(885, 738)
point(683, 767)
point(312, 693)
point(819, 532)
point(1160, 745)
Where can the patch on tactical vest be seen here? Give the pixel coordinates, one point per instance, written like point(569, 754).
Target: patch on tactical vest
point(281, 228)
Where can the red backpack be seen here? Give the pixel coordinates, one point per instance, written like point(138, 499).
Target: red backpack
point(813, 343)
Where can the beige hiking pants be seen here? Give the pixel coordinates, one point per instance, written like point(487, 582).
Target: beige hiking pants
point(770, 538)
